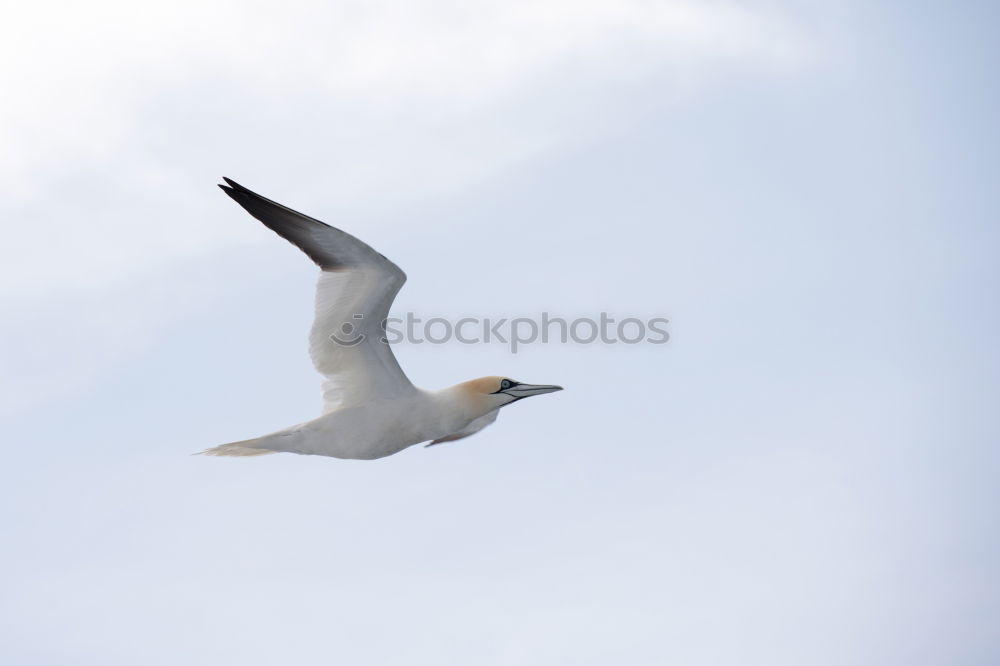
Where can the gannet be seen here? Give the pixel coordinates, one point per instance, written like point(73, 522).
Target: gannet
point(370, 409)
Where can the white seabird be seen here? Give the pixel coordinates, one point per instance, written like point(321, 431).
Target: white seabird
point(370, 409)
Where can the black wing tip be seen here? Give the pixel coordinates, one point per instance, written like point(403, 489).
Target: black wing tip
point(239, 193)
point(242, 194)
point(233, 184)
point(287, 223)
point(235, 195)
point(232, 187)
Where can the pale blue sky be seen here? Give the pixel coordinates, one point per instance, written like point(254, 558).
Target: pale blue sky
point(805, 474)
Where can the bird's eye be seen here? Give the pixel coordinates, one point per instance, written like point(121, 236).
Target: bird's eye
point(505, 384)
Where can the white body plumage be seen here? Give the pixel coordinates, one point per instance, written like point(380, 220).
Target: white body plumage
point(378, 428)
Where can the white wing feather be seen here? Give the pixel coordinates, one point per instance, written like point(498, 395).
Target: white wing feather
point(347, 339)
point(355, 290)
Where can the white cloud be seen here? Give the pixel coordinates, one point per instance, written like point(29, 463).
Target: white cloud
point(117, 102)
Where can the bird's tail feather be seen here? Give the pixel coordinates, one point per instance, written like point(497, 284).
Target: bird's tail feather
point(243, 448)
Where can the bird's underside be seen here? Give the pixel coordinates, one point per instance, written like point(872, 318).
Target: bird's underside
point(365, 432)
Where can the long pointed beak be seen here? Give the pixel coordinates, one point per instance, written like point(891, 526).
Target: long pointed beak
point(527, 390)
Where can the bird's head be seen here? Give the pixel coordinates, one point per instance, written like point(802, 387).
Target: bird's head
point(500, 391)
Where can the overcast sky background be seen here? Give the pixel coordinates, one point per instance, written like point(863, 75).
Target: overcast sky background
point(806, 474)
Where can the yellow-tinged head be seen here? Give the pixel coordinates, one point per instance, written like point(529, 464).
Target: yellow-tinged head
point(502, 391)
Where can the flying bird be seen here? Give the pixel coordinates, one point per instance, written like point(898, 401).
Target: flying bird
point(370, 409)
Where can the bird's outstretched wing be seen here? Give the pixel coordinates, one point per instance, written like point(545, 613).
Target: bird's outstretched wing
point(355, 290)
